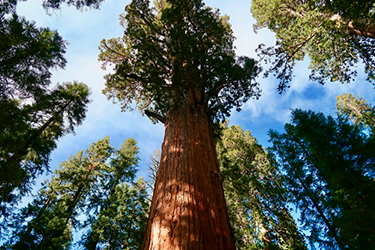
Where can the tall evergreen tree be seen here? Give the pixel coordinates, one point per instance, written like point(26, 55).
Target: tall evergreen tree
point(29, 134)
point(335, 34)
point(117, 211)
point(32, 116)
point(27, 55)
point(329, 171)
point(94, 186)
point(177, 60)
point(53, 214)
point(121, 222)
point(256, 198)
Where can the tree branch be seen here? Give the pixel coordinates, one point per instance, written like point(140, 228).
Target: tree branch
point(156, 116)
point(361, 28)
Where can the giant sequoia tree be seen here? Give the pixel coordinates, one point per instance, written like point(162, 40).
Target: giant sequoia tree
point(177, 60)
point(335, 34)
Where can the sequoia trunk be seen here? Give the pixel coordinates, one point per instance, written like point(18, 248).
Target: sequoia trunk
point(188, 209)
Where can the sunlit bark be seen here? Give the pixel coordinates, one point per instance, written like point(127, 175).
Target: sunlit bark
point(188, 209)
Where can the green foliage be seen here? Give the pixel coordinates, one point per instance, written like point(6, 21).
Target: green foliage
point(356, 110)
point(79, 4)
point(328, 166)
point(9, 6)
point(32, 116)
point(174, 53)
point(117, 212)
point(256, 199)
point(93, 184)
point(336, 35)
point(27, 55)
point(29, 134)
point(121, 222)
point(54, 211)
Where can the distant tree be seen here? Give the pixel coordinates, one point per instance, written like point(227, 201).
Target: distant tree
point(256, 198)
point(329, 168)
point(336, 35)
point(153, 169)
point(177, 59)
point(47, 222)
point(93, 186)
point(121, 223)
point(117, 211)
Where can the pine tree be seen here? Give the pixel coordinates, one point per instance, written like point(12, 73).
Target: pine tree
point(53, 214)
point(25, 148)
point(121, 222)
point(329, 171)
point(357, 110)
point(117, 211)
point(32, 116)
point(256, 198)
point(95, 191)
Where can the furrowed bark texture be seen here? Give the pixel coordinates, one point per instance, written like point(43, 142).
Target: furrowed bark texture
point(188, 208)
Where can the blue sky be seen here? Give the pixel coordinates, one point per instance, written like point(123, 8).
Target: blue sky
point(84, 30)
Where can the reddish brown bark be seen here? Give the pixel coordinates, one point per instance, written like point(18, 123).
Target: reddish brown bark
point(188, 209)
point(359, 27)
point(367, 30)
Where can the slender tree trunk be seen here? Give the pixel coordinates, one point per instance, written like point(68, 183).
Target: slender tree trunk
point(40, 213)
point(188, 209)
point(331, 228)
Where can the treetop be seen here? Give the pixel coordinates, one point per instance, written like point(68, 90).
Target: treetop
point(174, 53)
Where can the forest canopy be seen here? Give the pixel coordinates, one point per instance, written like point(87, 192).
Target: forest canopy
point(311, 189)
point(335, 35)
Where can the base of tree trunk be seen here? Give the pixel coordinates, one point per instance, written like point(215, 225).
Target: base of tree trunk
point(188, 209)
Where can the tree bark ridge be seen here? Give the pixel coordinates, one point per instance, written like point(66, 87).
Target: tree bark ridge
point(188, 209)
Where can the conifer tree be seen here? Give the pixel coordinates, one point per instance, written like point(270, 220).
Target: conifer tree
point(121, 222)
point(93, 191)
point(25, 148)
point(53, 214)
point(357, 110)
point(32, 116)
point(116, 210)
point(177, 60)
point(335, 34)
point(329, 171)
point(256, 198)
